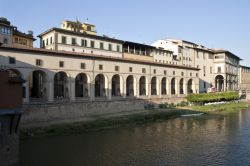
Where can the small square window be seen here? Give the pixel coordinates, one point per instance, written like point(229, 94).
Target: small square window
point(190, 74)
point(117, 68)
point(73, 41)
point(92, 52)
point(12, 60)
point(92, 44)
point(73, 49)
point(61, 63)
point(39, 62)
point(130, 69)
point(165, 72)
point(118, 48)
point(197, 75)
point(83, 66)
point(100, 67)
point(173, 72)
point(154, 71)
point(143, 70)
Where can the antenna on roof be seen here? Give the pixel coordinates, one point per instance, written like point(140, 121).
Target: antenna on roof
point(87, 19)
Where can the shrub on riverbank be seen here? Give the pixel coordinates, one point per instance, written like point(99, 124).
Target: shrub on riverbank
point(222, 108)
point(212, 97)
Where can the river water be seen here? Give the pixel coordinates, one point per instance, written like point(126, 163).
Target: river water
point(204, 140)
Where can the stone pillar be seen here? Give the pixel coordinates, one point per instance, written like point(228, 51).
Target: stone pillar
point(137, 94)
point(108, 87)
point(72, 95)
point(123, 93)
point(158, 85)
point(50, 91)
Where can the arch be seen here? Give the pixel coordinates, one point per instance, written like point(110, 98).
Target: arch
point(190, 86)
point(116, 85)
point(61, 89)
point(14, 73)
point(219, 82)
point(142, 86)
point(130, 91)
point(163, 86)
point(37, 84)
point(154, 86)
point(100, 90)
point(81, 85)
point(173, 90)
point(181, 86)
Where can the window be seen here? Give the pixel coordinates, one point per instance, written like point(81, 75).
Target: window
point(83, 66)
point(43, 45)
point(219, 69)
point(84, 43)
point(47, 41)
point(61, 63)
point(12, 60)
point(73, 49)
point(5, 41)
point(118, 48)
point(92, 44)
point(204, 85)
point(73, 41)
point(143, 70)
point(110, 47)
point(179, 49)
point(39, 62)
point(130, 69)
point(101, 46)
point(182, 73)
point(173, 72)
point(211, 70)
point(117, 68)
point(88, 28)
point(204, 69)
point(190, 74)
point(154, 71)
point(64, 40)
point(100, 67)
point(165, 72)
point(197, 75)
point(50, 40)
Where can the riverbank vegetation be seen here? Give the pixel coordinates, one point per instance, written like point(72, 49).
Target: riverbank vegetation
point(220, 108)
point(200, 99)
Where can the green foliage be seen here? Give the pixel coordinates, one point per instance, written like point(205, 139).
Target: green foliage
point(182, 104)
point(166, 105)
point(212, 97)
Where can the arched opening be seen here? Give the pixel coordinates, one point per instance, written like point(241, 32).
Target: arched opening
point(116, 91)
point(81, 85)
point(173, 90)
point(14, 73)
point(219, 82)
point(100, 90)
point(181, 86)
point(61, 89)
point(130, 86)
point(153, 86)
point(37, 84)
point(142, 86)
point(190, 86)
point(163, 86)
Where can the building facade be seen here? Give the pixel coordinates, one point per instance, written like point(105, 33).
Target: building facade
point(218, 68)
point(58, 75)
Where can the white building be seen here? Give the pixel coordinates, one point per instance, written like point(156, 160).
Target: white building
point(218, 68)
point(58, 76)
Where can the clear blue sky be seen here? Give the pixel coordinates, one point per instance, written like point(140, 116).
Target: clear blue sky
point(212, 23)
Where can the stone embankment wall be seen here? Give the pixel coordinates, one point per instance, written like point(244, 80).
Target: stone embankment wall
point(36, 115)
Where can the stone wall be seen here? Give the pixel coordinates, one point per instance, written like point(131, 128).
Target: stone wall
point(35, 115)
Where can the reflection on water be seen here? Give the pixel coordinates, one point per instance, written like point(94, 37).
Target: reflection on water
point(204, 140)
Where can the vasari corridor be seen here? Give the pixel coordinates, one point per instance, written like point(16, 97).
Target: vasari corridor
point(114, 83)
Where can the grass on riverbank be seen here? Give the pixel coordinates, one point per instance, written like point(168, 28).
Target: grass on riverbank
point(101, 123)
point(221, 108)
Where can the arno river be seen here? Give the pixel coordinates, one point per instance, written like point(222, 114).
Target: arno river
point(205, 140)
